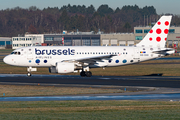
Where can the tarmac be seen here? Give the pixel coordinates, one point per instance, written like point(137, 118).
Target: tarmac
point(164, 88)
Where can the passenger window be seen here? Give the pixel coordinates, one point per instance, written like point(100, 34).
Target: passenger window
point(19, 53)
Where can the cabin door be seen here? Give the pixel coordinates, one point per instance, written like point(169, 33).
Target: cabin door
point(29, 54)
point(136, 54)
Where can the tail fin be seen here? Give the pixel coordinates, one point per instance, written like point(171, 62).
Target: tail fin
point(158, 34)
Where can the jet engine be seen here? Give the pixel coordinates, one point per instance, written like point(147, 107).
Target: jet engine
point(62, 67)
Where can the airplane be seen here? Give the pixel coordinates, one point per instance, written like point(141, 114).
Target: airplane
point(68, 59)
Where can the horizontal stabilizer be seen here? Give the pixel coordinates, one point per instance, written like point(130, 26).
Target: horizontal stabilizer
point(165, 52)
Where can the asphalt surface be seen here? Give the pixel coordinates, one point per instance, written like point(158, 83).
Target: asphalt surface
point(145, 81)
point(136, 87)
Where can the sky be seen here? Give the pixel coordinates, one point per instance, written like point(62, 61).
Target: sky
point(161, 6)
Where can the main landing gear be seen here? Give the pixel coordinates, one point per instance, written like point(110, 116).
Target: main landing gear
point(85, 74)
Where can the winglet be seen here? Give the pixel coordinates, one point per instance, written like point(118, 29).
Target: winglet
point(157, 36)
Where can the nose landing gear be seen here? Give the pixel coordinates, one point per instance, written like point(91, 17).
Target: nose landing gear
point(30, 69)
point(28, 74)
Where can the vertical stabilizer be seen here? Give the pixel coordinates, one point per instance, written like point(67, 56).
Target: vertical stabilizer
point(157, 36)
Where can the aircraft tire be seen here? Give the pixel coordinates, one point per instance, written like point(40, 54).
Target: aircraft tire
point(83, 74)
point(29, 74)
point(88, 73)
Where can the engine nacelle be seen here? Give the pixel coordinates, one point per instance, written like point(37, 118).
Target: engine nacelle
point(62, 67)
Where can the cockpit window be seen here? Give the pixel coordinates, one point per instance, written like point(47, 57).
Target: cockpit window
point(16, 53)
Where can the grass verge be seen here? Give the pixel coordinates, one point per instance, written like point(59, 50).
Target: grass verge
point(16, 90)
point(81, 110)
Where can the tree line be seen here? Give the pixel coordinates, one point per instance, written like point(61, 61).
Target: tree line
point(72, 18)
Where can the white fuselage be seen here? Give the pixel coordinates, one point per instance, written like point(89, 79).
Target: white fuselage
point(40, 56)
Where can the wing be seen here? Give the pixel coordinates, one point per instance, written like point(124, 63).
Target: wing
point(92, 59)
point(86, 61)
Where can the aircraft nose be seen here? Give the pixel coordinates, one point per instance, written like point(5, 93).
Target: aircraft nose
point(7, 60)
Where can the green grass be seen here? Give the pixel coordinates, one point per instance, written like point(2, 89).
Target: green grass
point(38, 90)
point(92, 110)
point(5, 51)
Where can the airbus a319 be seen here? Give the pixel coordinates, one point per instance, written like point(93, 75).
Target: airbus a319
point(67, 59)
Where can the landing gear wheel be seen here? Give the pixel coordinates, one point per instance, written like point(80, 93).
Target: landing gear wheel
point(28, 74)
point(88, 73)
point(83, 74)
